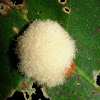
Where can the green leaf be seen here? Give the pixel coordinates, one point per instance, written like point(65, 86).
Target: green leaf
point(83, 24)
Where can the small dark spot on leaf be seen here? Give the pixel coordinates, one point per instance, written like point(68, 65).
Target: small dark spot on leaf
point(63, 87)
point(72, 91)
point(84, 86)
point(77, 77)
point(93, 92)
point(61, 24)
point(59, 94)
point(30, 15)
point(87, 97)
point(69, 97)
point(66, 92)
point(40, 12)
point(93, 53)
point(98, 94)
point(76, 88)
point(95, 97)
point(92, 49)
point(98, 61)
point(67, 81)
point(34, 10)
point(79, 48)
point(79, 94)
point(96, 30)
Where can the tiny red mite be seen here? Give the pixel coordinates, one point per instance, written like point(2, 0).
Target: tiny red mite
point(68, 71)
point(23, 84)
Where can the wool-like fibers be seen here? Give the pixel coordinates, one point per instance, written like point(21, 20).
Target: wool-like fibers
point(45, 50)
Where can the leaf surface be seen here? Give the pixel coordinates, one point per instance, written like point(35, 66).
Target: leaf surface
point(83, 24)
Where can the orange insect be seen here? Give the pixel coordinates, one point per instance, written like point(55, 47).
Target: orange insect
point(69, 71)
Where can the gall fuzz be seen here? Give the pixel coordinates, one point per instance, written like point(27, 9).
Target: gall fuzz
point(45, 51)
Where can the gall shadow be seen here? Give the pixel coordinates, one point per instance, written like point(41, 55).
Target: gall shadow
point(12, 55)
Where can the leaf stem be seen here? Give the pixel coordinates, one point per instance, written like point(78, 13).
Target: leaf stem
point(24, 16)
point(81, 73)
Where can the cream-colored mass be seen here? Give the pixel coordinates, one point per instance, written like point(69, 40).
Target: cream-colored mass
point(45, 50)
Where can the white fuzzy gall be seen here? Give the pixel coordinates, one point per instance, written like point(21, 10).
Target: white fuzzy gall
point(45, 50)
